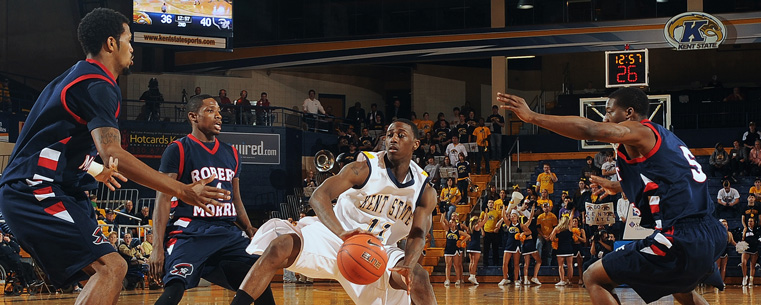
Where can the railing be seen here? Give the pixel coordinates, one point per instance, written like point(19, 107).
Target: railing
point(504, 175)
point(115, 200)
point(169, 111)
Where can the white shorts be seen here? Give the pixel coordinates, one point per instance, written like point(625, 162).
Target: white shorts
point(317, 259)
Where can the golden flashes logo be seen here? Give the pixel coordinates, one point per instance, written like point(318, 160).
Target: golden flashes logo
point(694, 30)
point(141, 18)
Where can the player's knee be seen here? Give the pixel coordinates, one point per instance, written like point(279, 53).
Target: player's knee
point(111, 265)
point(283, 247)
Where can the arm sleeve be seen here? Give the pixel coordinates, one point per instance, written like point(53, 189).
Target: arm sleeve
point(170, 160)
point(96, 102)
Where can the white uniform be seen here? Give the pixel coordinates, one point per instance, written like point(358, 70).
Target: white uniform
point(383, 205)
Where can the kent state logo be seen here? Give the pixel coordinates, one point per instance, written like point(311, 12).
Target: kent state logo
point(695, 31)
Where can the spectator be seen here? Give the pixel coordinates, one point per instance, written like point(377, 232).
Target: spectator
point(443, 135)
point(197, 91)
point(544, 198)
point(546, 180)
point(466, 108)
point(738, 159)
point(226, 107)
point(372, 116)
point(11, 260)
point(113, 238)
point(564, 238)
point(5, 96)
point(129, 209)
point(608, 168)
point(110, 218)
point(581, 191)
point(475, 229)
point(756, 188)
point(449, 197)
point(714, 82)
point(579, 236)
point(590, 169)
point(461, 128)
point(727, 201)
point(492, 238)
point(512, 230)
point(481, 134)
point(751, 211)
point(433, 170)
point(243, 109)
point(597, 194)
point(263, 111)
point(736, 96)
point(366, 142)
point(750, 235)
point(395, 111)
point(309, 181)
point(425, 125)
point(145, 216)
point(152, 99)
point(755, 159)
point(490, 194)
point(431, 149)
point(455, 115)
point(547, 222)
point(722, 261)
point(355, 116)
point(497, 122)
point(749, 137)
point(568, 209)
point(471, 118)
point(622, 210)
point(453, 253)
point(601, 244)
point(463, 178)
point(376, 127)
point(600, 158)
point(454, 149)
point(147, 246)
point(719, 162)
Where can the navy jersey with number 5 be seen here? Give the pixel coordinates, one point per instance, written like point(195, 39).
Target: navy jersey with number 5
point(666, 184)
point(193, 160)
point(55, 144)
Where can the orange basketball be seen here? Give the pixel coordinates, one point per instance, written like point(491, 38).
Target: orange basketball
point(362, 259)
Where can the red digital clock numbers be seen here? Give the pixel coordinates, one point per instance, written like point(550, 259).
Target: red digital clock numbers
point(626, 68)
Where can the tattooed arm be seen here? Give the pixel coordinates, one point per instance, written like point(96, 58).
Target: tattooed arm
point(355, 173)
point(108, 142)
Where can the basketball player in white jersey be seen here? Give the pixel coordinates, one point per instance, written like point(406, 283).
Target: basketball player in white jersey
point(384, 194)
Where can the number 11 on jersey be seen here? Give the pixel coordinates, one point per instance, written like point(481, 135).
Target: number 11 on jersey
point(374, 224)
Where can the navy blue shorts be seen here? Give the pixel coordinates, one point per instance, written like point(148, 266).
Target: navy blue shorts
point(654, 269)
point(59, 230)
point(214, 250)
point(529, 246)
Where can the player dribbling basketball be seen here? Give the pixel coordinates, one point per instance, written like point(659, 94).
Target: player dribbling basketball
point(385, 194)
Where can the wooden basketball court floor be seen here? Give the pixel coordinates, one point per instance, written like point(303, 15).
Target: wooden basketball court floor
point(326, 293)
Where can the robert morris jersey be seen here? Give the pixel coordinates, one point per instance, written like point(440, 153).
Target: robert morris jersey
point(55, 145)
point(193, 160)
point(667, 183)
point(382, 205)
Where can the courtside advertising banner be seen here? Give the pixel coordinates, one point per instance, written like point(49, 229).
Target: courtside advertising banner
point(254, 148)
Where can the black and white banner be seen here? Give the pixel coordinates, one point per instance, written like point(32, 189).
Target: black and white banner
point(254, 148)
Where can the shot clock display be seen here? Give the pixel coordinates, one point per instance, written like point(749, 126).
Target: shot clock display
point(626, 68)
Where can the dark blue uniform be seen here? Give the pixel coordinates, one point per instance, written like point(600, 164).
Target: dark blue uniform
point(42, 195)
point(451, 246)
point(668, 188)
point(197, 243)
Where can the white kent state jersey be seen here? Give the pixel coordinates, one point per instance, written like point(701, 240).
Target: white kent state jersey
point(383, 205)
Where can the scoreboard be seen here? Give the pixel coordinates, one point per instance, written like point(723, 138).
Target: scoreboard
point(626, 68)
point(188, 24)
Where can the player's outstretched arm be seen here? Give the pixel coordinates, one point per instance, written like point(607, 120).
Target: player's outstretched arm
point(108, 143)
point(610, 187)
point(576, 127)
point(160, 218)
point(355, 173)
point(242, 220)
point(108, 175)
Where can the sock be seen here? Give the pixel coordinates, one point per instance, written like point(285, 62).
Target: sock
point(266, 298)
point(242, 298)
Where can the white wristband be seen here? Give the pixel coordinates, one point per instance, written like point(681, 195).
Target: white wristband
point(95, 169)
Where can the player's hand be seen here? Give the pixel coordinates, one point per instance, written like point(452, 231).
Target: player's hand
point(110, 175)
point(406, 273)
point(346, 234)
point(605, 183)
point(250, 232)
point(156, 264)
point(516, 104)
point(200, 194)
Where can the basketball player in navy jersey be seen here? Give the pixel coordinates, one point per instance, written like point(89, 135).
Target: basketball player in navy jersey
point(200, 244)
point(42, 193)
point(665, 183)
point(390, 177)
